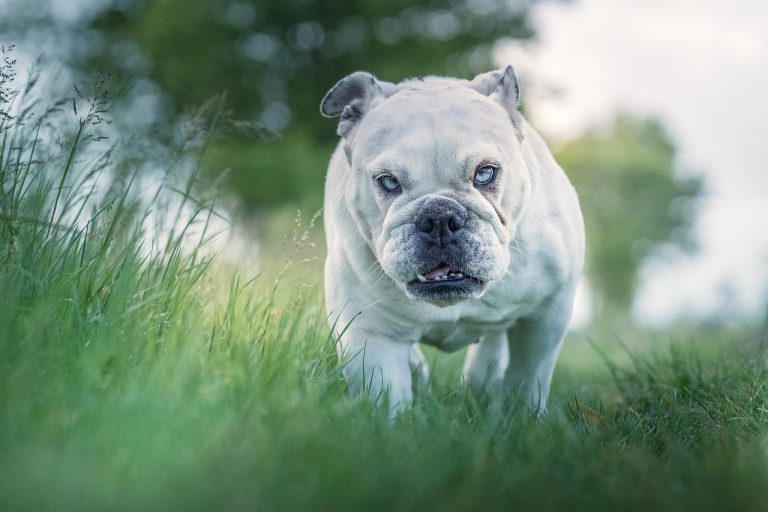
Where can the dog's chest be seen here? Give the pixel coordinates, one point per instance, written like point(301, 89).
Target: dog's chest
point(454, 334)
point(452, 337)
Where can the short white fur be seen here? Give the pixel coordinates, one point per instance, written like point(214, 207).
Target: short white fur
point(529, 235)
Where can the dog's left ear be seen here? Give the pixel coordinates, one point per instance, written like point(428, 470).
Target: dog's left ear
point(501, 86)
point(352, 97)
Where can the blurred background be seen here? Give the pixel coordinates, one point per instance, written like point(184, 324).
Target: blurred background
point(656, 110)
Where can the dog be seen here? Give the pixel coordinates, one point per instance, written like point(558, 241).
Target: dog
point(448, 223)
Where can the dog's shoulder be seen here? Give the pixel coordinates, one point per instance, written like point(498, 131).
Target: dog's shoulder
point(554, 226)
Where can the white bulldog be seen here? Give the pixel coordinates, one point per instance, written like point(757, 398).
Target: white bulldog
point(449, 223)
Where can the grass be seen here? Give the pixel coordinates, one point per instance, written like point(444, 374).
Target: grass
point(137, 375)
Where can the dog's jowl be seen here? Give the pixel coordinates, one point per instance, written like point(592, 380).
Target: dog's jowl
point(448, 223)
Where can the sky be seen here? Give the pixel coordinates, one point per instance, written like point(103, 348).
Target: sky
point(702, 69)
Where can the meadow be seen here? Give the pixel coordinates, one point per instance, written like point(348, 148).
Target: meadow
point(137, 373)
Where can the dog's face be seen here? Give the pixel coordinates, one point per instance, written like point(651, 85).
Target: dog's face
point(437, 183)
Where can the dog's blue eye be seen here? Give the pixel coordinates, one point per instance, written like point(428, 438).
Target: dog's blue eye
point(389, 183)
point(485, 174)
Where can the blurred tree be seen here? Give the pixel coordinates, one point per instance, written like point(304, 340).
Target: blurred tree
point(633, 203)
point(276, 59)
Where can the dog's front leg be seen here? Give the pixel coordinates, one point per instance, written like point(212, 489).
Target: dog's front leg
point(378, 366)
point(486, 362)
point(534, 344)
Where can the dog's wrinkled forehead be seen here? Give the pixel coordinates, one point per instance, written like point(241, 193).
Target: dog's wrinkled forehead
point(414, 121)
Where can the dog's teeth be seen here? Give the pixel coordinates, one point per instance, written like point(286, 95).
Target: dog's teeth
point(421, 278)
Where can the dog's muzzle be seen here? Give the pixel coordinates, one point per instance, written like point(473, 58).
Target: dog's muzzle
point(440, 223)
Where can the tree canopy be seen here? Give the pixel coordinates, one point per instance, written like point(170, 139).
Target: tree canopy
point(277, 59)
point(633, 203)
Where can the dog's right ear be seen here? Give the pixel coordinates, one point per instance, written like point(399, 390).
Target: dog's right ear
point(502, 86)
point(352, 97)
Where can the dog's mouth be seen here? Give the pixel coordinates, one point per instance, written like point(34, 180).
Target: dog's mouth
point(441, 273)
point(445, 283)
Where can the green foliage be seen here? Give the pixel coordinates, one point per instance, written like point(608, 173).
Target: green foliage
point(275, 60)
point(134, 374)
point(290, 169)
point(291, 52)
point(633, 203)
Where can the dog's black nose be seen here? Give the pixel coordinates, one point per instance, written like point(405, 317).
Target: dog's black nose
point(439, 219)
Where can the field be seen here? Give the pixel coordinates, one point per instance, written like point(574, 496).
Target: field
point(138, 374)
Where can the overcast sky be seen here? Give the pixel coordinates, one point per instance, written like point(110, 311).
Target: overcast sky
point(702, 68)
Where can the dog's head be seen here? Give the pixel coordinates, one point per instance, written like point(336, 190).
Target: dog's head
point(436, 184)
